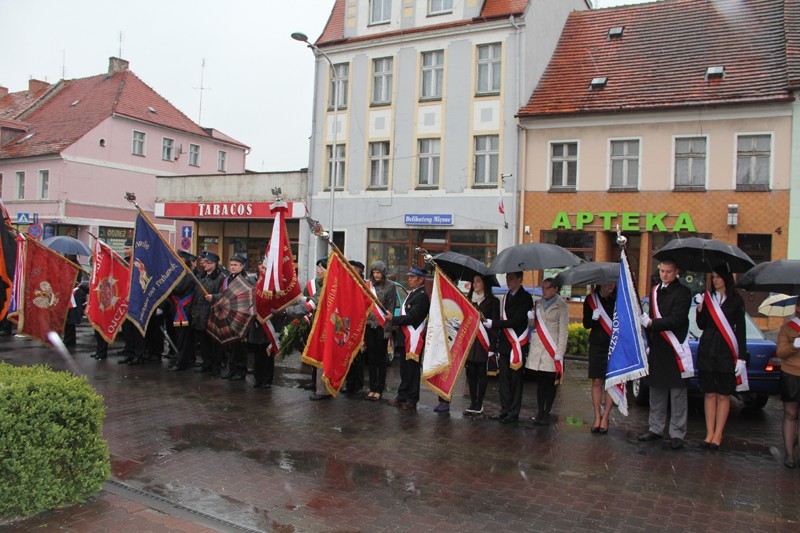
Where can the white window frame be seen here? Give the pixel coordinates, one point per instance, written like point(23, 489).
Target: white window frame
point(483, 160)
point(19, 185)
point(140, 143)
point(430, 160)
point(222, 161)
point(379, 154)
point(440, 7)
point(626, 158)
point(384, 15)
point(167, 149)
point(493, 64)
point(694, 161)
point(343, 78)
point(382, 80)
point(565, 160)
point(341, 154)
point(44, 184)
point(754, 155)
point(194, 155)
point(433, 74)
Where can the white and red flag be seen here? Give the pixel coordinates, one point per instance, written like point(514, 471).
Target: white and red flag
point(453, 323)
point(108, 291)
point(277, 285)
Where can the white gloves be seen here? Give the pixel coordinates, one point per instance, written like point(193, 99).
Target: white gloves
point(741, 368)
point(558, 357)
point(698, 298)
point(596, 315)
point(645, 320)
point(487, 324)
point(531, 315)
point(796, 343)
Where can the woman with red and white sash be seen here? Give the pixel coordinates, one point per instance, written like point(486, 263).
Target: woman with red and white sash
point(789, 353)
point(598, 308)
point(480, 295)
point(721, 353)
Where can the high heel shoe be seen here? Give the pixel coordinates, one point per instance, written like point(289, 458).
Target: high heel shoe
point(595, 429)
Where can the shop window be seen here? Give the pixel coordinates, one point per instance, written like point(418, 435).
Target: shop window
point(757, 246)
point(580, 243)
point(753, 160)
point(690, 163)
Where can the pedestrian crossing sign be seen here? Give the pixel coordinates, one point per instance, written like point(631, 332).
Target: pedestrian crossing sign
point(23, 218)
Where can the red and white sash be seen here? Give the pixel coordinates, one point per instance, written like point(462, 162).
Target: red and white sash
point(377, 311)
point(683, 356)
point(516, 341)
point(483, 338)
point(273, 337)
point(547, 339)
point(415, 337)
point(714, 309)
point(596, 305)
point(72, 302)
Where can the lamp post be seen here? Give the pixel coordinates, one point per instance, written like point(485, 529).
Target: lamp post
point(303, 38)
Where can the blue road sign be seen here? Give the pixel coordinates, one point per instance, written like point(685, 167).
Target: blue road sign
point(186, 232)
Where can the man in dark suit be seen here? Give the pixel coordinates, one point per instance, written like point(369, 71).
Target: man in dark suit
point(412, 321)
point(512, 334)
point(667, 326)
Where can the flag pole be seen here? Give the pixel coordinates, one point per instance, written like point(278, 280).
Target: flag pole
point(131, 197)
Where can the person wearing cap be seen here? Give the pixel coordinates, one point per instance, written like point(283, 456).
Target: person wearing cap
point(210, 283)
point(237, 360)
point(377, 334)
point(354, 381)
point(412, 320)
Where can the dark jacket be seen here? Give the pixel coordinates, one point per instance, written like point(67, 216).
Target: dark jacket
point(200, 307)
point(516, 307)
point(713, 353)
point(674, 303)
point(490, 309)
point(416, 307)
point(598, 338)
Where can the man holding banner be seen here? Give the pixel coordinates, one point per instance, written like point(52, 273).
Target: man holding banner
point(669, 360)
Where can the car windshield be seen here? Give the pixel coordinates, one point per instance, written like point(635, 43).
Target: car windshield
point(753, 331)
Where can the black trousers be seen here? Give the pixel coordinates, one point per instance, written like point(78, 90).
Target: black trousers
point(70, 338)
point(545, 391)
point(210, 350)
point(237, 359)
point(263, 364)
point(376, 358)
point(510, 387)
point(134, 341)
point(354, 381)
point(477, 380)
point(408, 391)
point(102, 346)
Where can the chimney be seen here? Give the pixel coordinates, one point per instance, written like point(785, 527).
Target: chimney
point(116, 65)
point(34, 86)
point(3, 91)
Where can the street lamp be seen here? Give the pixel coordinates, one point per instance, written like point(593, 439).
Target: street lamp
point(303, 38)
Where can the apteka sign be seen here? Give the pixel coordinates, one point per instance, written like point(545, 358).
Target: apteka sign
point(627, 221)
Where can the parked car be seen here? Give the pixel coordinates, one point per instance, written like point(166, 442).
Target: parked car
point(763, 370)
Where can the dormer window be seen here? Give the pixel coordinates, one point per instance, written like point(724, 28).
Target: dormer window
point(598, 83)
point(76, 102)
point(440, 7)
point(151, 109)
point(616, 32)
point(28, 136)
point(380, 11)
point(715, 72)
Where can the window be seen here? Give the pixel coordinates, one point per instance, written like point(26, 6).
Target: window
point(489, 61)
point(338, 161)
point(432, 74)
point(44, 184)
point(138, 143)
point(222, 161)
point(339, 82)
point(380, 11)
point(382, 81)
point(753, 154)
point(166, 148)
point(624, 164)
point(564, 165)
point(379, 164)
point(20, 185)
point(440, 7)
point(429, 154)
point(194, 155)
point(690, 162)
point(487, 149)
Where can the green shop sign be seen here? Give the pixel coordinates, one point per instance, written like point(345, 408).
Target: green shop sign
point(626, 221)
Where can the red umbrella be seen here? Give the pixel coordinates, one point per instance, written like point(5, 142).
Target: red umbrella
point(232, 314)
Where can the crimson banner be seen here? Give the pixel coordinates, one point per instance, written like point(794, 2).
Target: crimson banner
point(108, 292)
point(277, 285)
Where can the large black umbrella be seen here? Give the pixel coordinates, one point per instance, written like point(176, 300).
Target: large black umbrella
point(781, 276)
point(463, 267)
point(703, 255)
point(533, 256)
point(67, 245)
point(592, 273)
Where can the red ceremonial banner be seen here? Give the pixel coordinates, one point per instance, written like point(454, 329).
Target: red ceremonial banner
point(47, 282)
point(108, 292)
point(338, 329)
point(277, 285)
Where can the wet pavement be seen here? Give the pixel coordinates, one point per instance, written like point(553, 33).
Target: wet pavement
point(193, 453)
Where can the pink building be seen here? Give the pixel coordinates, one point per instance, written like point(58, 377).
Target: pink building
point(70, 151)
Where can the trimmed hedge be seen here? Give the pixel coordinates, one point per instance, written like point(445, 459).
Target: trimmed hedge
point(52, 451)
point(577, 340)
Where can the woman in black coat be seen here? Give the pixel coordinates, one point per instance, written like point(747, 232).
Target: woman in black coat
point(716, 364)
point(602, 297)
point(480, 294)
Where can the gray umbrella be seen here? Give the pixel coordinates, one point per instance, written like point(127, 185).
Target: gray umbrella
point(703, 255)
point(533, 256)
point(781, 276)
point(463, 267)
point(593, 273)
point(67, 245)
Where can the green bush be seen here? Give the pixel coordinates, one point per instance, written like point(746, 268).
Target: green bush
point(52, 451)
point(578, 340)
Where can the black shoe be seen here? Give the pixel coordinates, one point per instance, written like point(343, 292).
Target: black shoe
point(317, 397)
point(266, 386)
point(509, 420)
point(500, 417)
point(102, 357)
point(201, 370)
point(648, 437)
point(124, 361)
point(135, 361)
point(178, 368)
point(542, 419)
point(236, 377)
point(676, 443)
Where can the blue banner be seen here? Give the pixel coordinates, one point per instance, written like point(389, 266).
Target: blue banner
point(627, 358)
point(155, 270)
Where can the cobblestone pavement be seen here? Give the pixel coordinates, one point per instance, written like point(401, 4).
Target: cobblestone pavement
point(192, 453)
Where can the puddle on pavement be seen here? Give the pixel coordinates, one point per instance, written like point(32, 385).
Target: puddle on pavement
point(200, 436)
point(122, 468)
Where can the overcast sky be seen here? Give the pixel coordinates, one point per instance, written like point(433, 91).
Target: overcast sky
point(259, 81)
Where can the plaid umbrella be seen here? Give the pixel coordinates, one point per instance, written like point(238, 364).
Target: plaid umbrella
point(232, 314)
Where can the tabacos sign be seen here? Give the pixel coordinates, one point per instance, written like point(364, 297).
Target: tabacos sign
point(627, 221)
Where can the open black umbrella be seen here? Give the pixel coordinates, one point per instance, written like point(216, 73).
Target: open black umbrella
point(67, 245)
point(592, 273)
point(533, 256)
point(781, 276)
point(703, 255)
point(463, 267)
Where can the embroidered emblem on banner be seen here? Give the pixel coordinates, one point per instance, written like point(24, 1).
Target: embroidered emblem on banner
point(107, 293)
point(45, 296)
point(341, 329)
point(144, 279)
